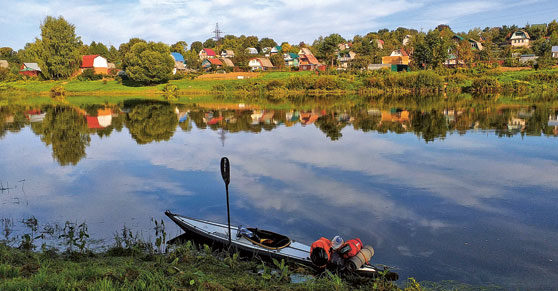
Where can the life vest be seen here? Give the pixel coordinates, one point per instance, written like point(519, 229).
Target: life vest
point(355, 246)
point(325, 245)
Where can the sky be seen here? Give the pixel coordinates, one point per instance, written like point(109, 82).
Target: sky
point(116, 21)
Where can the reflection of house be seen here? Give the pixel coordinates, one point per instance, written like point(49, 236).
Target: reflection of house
point(553, 120)
point(9, 119)
point(35, 115)
point(260, 64)
point(308, 118)
point(94, 62)
point(395, 115)
point(520, 38)
point(102, 120)
point(30, 69)
point(516, 124)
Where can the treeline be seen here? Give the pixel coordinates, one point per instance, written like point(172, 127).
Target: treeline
point(58, 50)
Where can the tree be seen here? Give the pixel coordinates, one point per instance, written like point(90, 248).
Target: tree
point(465, 52)
point(124, 48)
point(431, 50)
point(328, 48)
point(149, 63)
point(265, 42)
point(179, 47)
point(97, 49)
point(196, 46)
point(58, 50)
point(113, 55)
point(209, 43)
point(277, 61)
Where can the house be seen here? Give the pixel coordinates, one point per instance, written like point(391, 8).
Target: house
point(227, 62)
point(379, 43)
point(263, 64)
point(179, 63)
point(227, 53)
point(252, 51)
point(94, 62)
point(4, 64)
point(276, 50)
point(453, 62)
point(397, 57)
point(344, 46)
point(406, 40)
point(520, 38)
point(524, 59)
point(475, 45)
point(208, 63)
point(344, 57)
point(291, 59)
point(555, 51)
point(308, 62)
point(207, 53)
point(102, 120)
point(30, 69)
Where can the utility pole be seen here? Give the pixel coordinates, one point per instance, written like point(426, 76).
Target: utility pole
point(217, 32)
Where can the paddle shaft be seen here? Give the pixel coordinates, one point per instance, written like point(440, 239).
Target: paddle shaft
point(228, 213)
point(226, 174)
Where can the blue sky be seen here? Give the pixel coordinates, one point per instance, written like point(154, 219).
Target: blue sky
point(114, 22)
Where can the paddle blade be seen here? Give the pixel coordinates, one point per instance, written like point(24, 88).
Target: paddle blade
point(225, 170)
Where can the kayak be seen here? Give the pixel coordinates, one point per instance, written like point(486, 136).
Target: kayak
point(258, 242)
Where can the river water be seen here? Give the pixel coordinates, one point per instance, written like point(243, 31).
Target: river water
point(466, 193)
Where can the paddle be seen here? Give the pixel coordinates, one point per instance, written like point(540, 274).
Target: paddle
point(226, 174)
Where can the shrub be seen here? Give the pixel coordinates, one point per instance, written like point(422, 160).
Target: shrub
point(296, 82)
point(326, 83)
point(486, 84)
point(274, 84)
point(89, 74)
point(57, 91)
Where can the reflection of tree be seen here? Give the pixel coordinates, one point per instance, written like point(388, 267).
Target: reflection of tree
point(329, 125)
point(429, 125)
point(151, 122)
point(11, 120)
point(66, 131)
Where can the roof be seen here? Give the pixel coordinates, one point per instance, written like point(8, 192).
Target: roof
point(265, 62)
point(555, 49)
point(31, 67)
point(293, 55)
point(87, 61)
point(252, 50)
point(4, 64)
point(228, 52)
point(228, 62)
point(209, 52)
point(177, 57)
point(305, 51)
point(520, 34)
point(312, 60)
point(216, 62)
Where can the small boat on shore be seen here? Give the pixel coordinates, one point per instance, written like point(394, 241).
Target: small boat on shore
point(255, 242)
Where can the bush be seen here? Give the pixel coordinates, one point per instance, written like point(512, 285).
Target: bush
point(296, 82)
point(326, 83)
point(274, 84)
point(57, 91)
point(89, 75)
point(486, 84)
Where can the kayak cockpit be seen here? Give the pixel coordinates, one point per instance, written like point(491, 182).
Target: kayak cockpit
point(266, 239)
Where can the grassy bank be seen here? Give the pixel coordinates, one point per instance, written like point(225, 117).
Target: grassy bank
point(296, 83)
point(186, 267)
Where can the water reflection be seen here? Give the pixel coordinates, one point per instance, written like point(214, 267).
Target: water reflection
point(476, 205)
point(68, 128)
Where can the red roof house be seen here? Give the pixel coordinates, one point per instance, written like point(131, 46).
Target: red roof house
point(94, 62)
point(207, 54)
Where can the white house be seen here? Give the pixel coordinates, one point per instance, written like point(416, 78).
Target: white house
point(520, 38)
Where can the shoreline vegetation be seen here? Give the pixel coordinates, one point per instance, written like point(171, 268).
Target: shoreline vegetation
point(66, 261)
point(411, 84)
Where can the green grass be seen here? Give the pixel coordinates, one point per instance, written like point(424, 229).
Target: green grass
point(184, 268)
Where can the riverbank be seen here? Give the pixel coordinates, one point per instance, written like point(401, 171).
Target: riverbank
point(137, 267)
point(475, 81)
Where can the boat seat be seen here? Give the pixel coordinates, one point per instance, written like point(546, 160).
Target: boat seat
point(268, 239)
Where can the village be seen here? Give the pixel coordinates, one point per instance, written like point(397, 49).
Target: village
point(403, 50)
